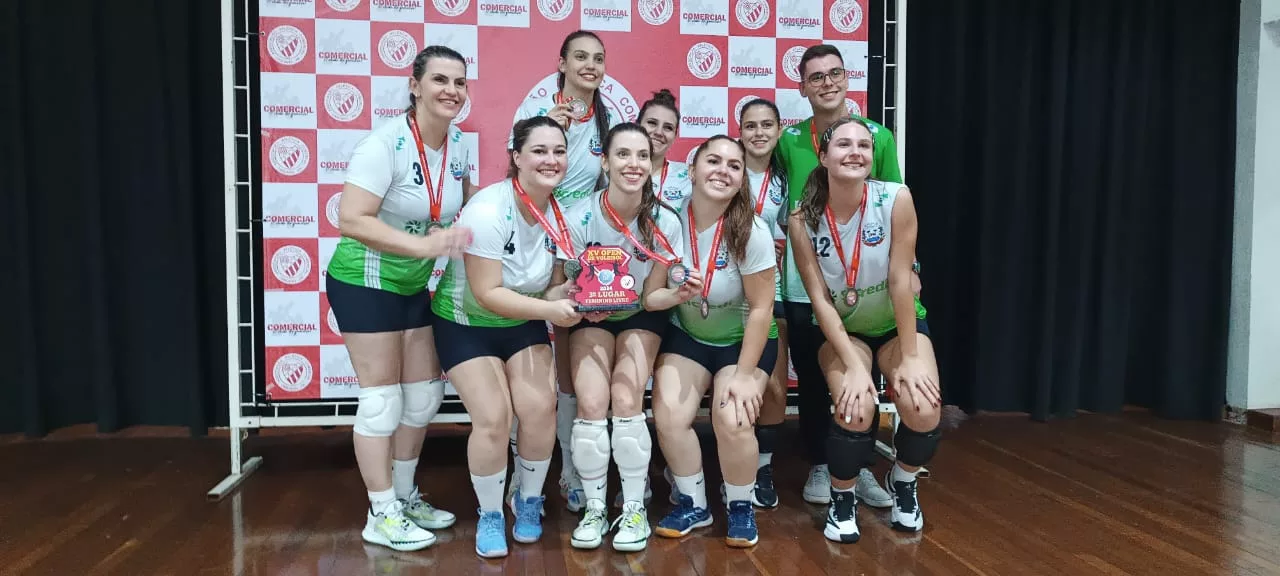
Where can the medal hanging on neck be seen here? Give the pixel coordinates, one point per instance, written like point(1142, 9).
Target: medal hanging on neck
point(561, 239)
point(435, 194)
point(676, 272)
point(850, 269)
point(579, 110)
point(711, 257)
point(764, 189)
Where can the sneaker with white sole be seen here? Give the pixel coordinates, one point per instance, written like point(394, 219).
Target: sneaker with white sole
point(648, 495)
point(491, 535)
point(592, 528)
point(842, 518)
point(906, 515)
point(425, 515)
point(574, 497)
point(817, 489)
point(392, 529)
point(633, 528)
point(870, 492)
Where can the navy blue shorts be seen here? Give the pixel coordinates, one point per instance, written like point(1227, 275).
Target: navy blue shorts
point(653, 321)
point(875, 342)
point(457, 343)
point(713, 358)
point(360, 309)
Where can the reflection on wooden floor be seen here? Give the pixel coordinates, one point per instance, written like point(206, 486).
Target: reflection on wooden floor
point(1127, 494)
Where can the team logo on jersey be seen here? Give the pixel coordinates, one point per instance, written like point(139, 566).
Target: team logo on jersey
point(555, 10)
point(845, 15)
point(414, 227)
point(639, 254)
point(872, 234)
point(596, 149)
point(722, 258)
point(458, 168)
point(292, 372)
point(775, 194)
point(752, 14)
point(671, 194)
point(793, 131)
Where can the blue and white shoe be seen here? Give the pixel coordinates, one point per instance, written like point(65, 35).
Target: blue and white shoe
point(742, 525)
point(491, 535)
point(683, 519)
point(528, 526)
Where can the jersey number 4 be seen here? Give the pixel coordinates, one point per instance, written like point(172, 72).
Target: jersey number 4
point(822, 246)
point(417, 174)
point(510, 248)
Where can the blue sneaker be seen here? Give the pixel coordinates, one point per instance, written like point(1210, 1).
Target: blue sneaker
point(528, 527)
point(491, 536)
point(683, 519)
point(742, 525)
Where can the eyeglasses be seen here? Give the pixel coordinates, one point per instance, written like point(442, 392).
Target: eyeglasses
point(835, 74)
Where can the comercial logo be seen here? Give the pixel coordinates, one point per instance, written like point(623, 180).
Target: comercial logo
point(703, 60)
point(397, 49)
point(292, 372)
point(343, 5)
point(752, 14)
point(343, 102)
point(845, 15)
point(451, 7)
point(291, 264)
point(287, 45)
point(555, 10)
point(791, 62)
point(655, 12)
point(289, 156)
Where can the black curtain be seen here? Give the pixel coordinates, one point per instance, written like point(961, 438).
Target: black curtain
point(112, 218)
point(1072, 163)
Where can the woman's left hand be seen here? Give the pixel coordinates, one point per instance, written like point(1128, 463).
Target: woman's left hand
point(912, 380)
point(745, 396)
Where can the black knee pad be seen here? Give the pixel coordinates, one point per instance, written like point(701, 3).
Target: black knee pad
point(767, 437)
point(916, 448)
point(849, 452)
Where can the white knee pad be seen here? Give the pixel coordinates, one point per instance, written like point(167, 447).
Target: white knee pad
point(591, 448)
point(421, 402)
point(379, 410)
point(632, 446)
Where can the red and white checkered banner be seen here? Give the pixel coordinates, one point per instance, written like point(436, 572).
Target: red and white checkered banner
point(332, 70)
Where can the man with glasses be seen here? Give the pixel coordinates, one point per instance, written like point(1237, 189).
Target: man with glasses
point(825, 82)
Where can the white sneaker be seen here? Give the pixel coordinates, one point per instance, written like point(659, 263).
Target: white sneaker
point(906, 515)
point(425, 515)
point(842, 519)
point(633, 528)
point(592, 528)
point(817, 489)
point(392, 529)
point(870, 492)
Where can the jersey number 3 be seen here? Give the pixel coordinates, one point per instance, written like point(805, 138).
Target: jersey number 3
point(822, 246)
point(417, 174)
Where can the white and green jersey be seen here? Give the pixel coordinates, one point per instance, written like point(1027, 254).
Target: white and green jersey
point(872, 315)
point(589, 225)
point(386, 163)
point(772, 212)
point(676, 187)
point(583, 154)
point(725, 325)
point(499, 232)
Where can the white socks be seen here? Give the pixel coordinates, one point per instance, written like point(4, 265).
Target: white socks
point(693, 487)
point(738, 493)
point(590, 443)
point(379, 501)
point(632, 449)
point(900, 475)
point(532, 475)
point(402, 472)
point(489, 490)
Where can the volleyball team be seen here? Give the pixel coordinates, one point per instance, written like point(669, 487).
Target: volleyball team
point(796, 240)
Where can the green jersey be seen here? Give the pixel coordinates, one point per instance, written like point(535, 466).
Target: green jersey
point(798, 154)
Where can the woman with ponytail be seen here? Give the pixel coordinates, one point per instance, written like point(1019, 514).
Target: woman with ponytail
point(854, 239)
point(661, 119)
point(723, 337)
point(612, 354)
point(579, 108)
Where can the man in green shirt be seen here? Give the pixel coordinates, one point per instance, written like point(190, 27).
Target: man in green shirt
point(824, 82)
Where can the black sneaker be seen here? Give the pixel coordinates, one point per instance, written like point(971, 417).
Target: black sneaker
point(842, 518)
point(765, 496)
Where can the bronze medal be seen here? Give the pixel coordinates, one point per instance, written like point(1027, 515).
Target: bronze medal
point(851, 298)
point(678, 274)
point(706, 309)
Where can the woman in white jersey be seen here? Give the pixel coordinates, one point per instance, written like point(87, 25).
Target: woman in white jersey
point(859, 280)
point(759, 126)
point(722, 337)
point(661, 119)
point(579, 108)
point(405, 182)
point(612, 353)
point(491, 306)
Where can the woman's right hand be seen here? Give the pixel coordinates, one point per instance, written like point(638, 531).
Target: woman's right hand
point(692, 287)
point(856, 391)
point(445, 242)
point(562, 313)
point(560, 113)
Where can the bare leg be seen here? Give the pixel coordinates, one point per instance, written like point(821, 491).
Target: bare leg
point(376, 358)
point(835, 370)
point(736, 441)
point(419, 364)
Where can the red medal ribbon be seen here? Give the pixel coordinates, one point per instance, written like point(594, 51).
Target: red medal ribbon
point(626, 231)
point(851, 271)
point(764, 187)
point(711, 257)
point(434, 195)
point(663, 182)
point(561, 240)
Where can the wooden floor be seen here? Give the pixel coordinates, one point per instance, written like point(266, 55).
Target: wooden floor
point(1127, 494)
